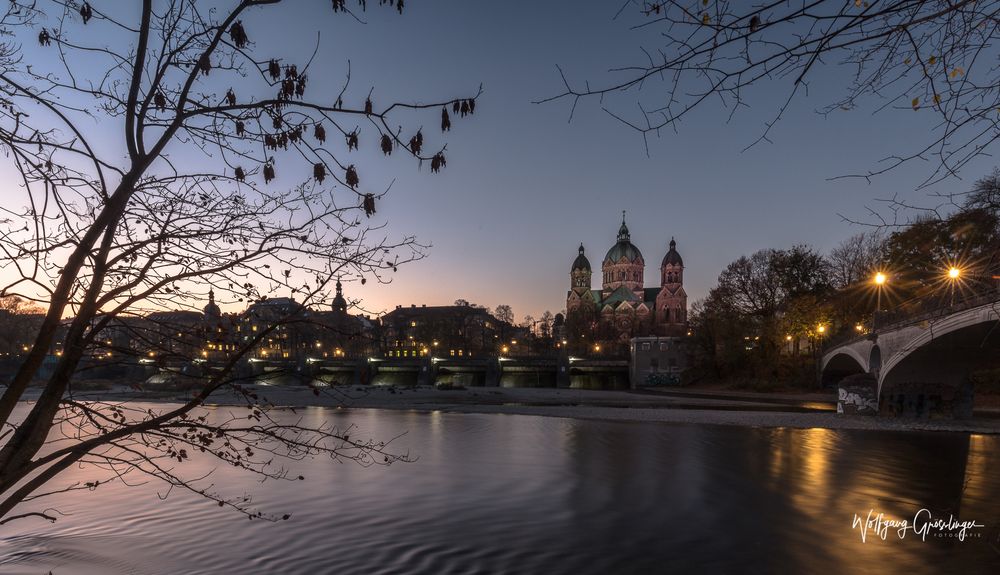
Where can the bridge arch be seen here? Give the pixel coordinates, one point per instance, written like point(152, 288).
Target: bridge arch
point(943, 353)
point(842, 357)
point(847, 361)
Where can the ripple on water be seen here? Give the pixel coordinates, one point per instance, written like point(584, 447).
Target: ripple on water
point(493, 493)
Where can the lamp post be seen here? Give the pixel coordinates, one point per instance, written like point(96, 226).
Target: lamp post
point(880, 279)
point(953, 275)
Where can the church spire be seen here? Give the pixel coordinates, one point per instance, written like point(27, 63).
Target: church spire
point(212, 309)
point(339, 303)
point(623, 235)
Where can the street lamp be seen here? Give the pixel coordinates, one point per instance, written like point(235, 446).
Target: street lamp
point(880, 279)
point(954, 274)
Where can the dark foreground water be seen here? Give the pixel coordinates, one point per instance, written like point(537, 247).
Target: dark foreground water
point(519, 494)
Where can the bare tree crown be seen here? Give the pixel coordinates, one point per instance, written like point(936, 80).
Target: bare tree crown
point(160, 155)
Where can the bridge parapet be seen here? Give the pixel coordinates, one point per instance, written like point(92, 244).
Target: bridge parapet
point(925, 359)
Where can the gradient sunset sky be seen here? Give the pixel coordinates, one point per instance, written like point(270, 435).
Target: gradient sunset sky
point(524, 187)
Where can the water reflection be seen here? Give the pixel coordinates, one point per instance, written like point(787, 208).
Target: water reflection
point(497, 493)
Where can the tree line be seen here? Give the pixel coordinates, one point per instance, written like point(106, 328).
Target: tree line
point(771, 311)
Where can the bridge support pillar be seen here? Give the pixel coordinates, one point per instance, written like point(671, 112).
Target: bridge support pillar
point(426, 374)
point(562, 371)
point(257, 367)
point(494, 369)
point(359, 375)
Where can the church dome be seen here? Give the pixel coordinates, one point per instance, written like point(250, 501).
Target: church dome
point(581, 262)
point(212, 309)
point(623, 247)
point(339, 303)
point(672, 257)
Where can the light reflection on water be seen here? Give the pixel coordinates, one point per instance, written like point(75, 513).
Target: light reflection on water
point(500, 493)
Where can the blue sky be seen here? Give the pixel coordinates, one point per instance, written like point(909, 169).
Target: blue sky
point(523, 186)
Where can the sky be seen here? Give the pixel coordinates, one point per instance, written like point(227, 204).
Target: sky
point(524, 186)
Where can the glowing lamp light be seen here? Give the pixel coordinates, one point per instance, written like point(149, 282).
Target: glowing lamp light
point(954, 272)
point(880, 278)
point(788, 338)
point(821, 329)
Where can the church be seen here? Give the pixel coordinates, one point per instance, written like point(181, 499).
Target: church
point(623, 308)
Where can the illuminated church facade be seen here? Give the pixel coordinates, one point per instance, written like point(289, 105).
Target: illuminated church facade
point(623, 308)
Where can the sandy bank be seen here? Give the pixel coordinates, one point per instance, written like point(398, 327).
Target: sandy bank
point(746, 409)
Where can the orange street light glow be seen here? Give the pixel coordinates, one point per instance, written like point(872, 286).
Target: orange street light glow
point(954, 272)
point(880, 278)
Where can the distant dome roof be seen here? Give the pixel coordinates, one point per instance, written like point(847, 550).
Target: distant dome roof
point(581, 262)
point(212, 309)
point(339, 303)
point(624, 247)
point(672, 257)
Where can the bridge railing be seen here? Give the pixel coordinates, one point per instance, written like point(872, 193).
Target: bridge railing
point(894, 319)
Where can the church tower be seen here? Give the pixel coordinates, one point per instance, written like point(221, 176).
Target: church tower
point(580, 275)
point(580, 278)
point(339, 304)
point(212, 312)
point(671, 302)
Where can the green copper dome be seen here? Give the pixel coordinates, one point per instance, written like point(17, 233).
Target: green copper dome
point(624, 247)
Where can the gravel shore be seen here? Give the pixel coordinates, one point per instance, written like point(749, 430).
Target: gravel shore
point(811, 410)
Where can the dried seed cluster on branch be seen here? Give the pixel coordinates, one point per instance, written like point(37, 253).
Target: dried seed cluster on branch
point(117, 235)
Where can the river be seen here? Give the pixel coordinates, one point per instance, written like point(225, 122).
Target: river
point(524, 494)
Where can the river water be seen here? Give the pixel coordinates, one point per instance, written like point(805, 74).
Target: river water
point(524, 494)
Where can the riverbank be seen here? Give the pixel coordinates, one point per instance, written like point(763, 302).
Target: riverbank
point(665, 405)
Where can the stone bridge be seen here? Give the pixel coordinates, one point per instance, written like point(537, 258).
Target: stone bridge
point(924, 358)
point(559, 371)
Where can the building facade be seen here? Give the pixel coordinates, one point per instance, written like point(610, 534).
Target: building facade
point(623, 307)
point(446, 331)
